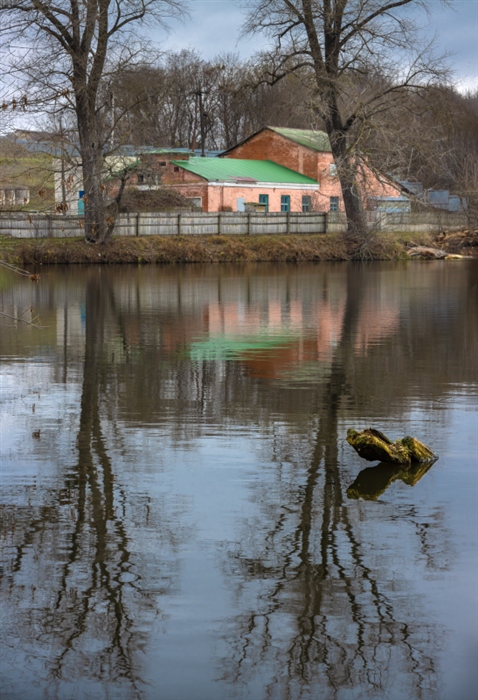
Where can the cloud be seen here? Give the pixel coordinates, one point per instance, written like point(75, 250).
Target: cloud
point(214, 27)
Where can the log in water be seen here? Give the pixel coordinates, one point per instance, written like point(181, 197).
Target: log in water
point(372, 444)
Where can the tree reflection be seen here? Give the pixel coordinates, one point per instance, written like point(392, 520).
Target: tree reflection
point(321, 608)
point(321, 622)
point(90, 608)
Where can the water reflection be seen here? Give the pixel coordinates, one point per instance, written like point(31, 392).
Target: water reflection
point(266, 364)
point(90, 599)
point(373, 481)
point(322, 615)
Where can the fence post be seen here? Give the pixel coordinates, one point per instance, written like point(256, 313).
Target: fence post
point(179, 224)
point(248, 223)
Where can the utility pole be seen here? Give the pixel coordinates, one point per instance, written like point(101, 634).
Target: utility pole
point(199, 93)
point(63, 183)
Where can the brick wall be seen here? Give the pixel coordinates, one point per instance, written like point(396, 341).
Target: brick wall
point(269, 145)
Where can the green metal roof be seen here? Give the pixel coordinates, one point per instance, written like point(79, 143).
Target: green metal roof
point(316, 140)
point(234, 169)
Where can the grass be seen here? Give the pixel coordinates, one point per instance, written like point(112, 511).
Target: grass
point(203, 249)
point(212, 249)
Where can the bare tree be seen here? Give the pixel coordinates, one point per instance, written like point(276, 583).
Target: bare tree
point(67, 49)
point(340, 42)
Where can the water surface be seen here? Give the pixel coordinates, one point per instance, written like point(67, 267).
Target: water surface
point(181, 516)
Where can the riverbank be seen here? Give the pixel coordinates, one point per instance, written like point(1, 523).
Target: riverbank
point(207, 249)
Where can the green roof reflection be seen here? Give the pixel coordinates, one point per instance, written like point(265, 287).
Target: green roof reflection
point(232, 347)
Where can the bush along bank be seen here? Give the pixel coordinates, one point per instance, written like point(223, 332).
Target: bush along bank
point(208, 249)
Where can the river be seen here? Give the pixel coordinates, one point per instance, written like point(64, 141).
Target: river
point(181, 515)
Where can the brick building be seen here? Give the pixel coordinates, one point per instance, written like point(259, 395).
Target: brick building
point(309, 152)
point(230, 184)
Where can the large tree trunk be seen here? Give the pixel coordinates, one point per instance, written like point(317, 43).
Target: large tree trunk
point(95, 205)
point(327, 73)
point(357, 229)
point(92, 169)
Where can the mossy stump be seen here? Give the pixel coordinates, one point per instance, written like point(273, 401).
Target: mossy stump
point(371, 444)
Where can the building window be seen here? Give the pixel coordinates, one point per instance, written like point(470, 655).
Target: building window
point(285, 202)
point(333, 170)
point(176, 168)
point(163, 163)
point(264, 200)
point(306, 203)
point(334, 204)
point(140, 179)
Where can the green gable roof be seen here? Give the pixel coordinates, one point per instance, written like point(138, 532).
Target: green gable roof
point(234, 169)
point(316, 140)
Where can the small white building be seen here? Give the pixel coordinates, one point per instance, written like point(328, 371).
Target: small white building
point(69, 188)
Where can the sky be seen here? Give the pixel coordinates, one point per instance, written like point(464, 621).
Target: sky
point(214, 27)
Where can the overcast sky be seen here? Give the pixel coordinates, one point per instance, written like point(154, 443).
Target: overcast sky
point(214, 28)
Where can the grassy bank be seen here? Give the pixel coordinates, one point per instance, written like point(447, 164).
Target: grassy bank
point(180, 249)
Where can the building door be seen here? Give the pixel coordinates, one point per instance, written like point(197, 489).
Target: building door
point(241, 204)
point(81, 204)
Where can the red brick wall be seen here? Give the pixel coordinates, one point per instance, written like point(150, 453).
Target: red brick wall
point(268, 145)
point(193, 189)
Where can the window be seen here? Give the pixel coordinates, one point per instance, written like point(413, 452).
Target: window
point(176, 168)
point(285, 202)
point(140, 179)
point(264, 200)
point(334, 204)
point(163, 163)
point(333, 170)
point(306, 203)
point(195, 201)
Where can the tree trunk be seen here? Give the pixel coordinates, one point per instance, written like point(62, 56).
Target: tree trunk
point(357, 229)
point(92, 167)
point(95, 206)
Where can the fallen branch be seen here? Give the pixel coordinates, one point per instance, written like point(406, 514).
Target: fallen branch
point(34, 278)
point(13, 268)
point(371, 444)
point(19, 319)
point(426, 253)
point(18, 270)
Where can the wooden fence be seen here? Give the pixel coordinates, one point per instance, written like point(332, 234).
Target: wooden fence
point(24, 225)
